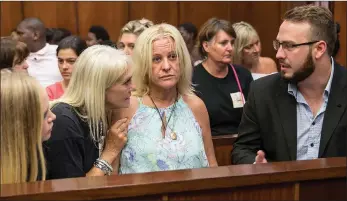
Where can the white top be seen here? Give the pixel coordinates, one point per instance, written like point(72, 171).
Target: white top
point(43, 65)
point(260, 75)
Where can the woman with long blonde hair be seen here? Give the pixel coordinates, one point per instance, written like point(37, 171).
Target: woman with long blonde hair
point(26, 121)
point(169, 127)
point(83, 141)
point(247, 51)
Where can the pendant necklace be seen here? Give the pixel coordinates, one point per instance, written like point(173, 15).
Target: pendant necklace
point(165, 124)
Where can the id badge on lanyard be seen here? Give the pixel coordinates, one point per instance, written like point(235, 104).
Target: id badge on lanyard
point(238, 97)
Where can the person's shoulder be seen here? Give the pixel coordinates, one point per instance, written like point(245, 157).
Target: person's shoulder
point(63, 109)
point(268, 82)
point(194, 102)
point(243, 72)
point(269, 64)
point(54, 86)
point(52, 51)
point(52, 47)
point(197, 67)
point(340, 72)
point(340, 67)
point(268, 60)
point(198, 73)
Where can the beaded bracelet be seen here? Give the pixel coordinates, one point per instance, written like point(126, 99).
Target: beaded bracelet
point(104, 166)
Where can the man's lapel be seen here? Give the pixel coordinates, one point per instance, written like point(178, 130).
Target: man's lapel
point(336, 106)
point(286, 105)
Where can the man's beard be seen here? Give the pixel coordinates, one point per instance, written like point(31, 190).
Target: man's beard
point(300, 75)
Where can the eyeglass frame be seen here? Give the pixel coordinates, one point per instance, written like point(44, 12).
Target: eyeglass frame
point(292, 45)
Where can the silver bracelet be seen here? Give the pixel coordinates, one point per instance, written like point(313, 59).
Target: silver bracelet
point(104, 166)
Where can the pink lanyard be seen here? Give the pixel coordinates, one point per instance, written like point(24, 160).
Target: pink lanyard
point(238, 83)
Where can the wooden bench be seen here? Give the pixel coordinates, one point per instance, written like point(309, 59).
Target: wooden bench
point(321, 179)
point(223, 144)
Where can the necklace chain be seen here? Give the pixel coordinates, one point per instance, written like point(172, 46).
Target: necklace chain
point(164, 123)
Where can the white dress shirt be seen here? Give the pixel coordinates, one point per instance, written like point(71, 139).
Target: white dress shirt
point(43, 65)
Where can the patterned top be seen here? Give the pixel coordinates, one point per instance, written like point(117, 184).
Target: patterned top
point(147, 150)
point(309, 127)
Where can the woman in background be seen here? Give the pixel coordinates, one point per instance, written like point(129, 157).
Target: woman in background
point(129, 34)
point(67, 52)
point(247, 50)
point(189, 33)
point(222, 86)
point(26, 121)
point(13, 55)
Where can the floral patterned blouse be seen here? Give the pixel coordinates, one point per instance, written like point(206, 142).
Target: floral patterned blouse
point(148, 151)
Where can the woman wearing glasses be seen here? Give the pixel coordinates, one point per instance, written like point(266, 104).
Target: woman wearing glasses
point(248, 49)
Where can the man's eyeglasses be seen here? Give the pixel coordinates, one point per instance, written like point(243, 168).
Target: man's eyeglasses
point(289, 45)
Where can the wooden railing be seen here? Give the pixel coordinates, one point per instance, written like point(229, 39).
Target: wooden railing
point(321, 179)
point(223, 145)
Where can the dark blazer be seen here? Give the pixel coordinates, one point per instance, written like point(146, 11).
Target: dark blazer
point(269, 121)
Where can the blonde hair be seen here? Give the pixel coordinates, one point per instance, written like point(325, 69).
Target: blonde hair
point(136, 27)
point(95, 70)
point(21, 129)
point(244, 35)
point(143, 53)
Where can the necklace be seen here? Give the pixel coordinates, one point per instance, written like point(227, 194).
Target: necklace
point(165, 124)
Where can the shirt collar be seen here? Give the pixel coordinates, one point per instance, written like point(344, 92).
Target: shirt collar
point(292, 88)
point(41, 51)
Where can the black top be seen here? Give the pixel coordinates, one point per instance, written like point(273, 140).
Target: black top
point(215, 92)
point(70, 152)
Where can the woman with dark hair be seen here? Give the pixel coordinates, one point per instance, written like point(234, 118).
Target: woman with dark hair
point(96, 34)
point(189, 33)
point(55, 35)
point(67, 52)
point(13, 55)
point(222, 86)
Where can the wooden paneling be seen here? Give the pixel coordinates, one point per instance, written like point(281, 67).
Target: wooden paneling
point(79, 16)
point(111, 15)
point(265, 192)
point(199, 12)
point(11, 15)
point(271, 181)
point(53, 14)
point(336, 191)
point(287, 5)
point(340, 16)
point(223, 146)
point(261, 21)
point(239, 11)
point(155, 11)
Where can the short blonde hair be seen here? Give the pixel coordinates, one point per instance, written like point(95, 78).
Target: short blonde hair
point(95, 70)
point(136, 27)
point(244, 35)
point(143, 53)
point(21, 129)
